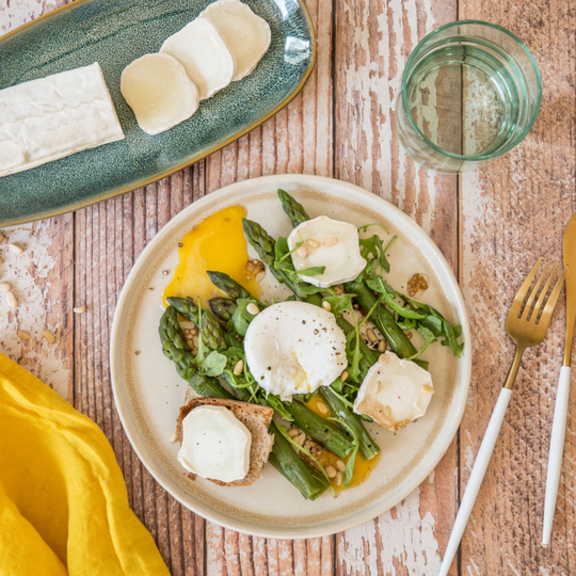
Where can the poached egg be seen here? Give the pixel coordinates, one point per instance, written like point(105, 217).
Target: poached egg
point(294, 348)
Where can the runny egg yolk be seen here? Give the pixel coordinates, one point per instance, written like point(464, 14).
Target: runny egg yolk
point(216, 244)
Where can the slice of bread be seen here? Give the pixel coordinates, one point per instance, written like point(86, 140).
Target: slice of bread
point(255, 417)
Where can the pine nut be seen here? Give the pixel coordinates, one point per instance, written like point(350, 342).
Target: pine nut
point(340, 465)
point(382, 359)
point(331, 472)
point(322, 407)
point(300, 438)
point(12, 301)
point(5, 287)
point(338, 290)
point(79, 309)
point(252, 309)
point(174, 437)
point(16, 248)
point(293, 432)
point(371, 335)
point(23, 335)
point(344, 375)
point(426, 389)
point(377, 388)
point(339, 479)
point(302, 251)
point(49, 336)
point(313, 243)
point(382, 346)
point(238, 368)
point(331, 242)
point(326, 306)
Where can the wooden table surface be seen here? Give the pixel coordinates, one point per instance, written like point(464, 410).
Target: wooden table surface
point(491, 225)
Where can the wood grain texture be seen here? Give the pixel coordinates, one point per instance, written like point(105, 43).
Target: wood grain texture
point(513, 212)
point(490, 225)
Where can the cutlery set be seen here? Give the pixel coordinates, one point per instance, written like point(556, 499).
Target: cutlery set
point(527, 322)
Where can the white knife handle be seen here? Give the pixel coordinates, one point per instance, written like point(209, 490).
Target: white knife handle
point(555, 454)
point(473, 486)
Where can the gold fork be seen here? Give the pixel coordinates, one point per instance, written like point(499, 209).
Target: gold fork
point(527, 327)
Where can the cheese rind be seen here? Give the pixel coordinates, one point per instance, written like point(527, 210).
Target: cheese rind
point(203, 51)
point(215, 444)
point(247, 34)
point(49, 118)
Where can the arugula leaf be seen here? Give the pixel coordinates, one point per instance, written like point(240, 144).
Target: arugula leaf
point(241, 318)
point(284, 265)
point(339, 304)
point(373, 251)
point(377, 283)
point(213, 364)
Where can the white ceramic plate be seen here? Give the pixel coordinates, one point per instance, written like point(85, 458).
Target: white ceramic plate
point(149, 393)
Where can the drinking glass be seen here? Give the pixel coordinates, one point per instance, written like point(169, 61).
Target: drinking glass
point(471, 91)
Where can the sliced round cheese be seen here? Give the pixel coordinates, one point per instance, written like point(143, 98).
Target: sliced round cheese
point(247, 34)
point(294, 348)
point(329, 243)
point(215, 444)
point(394, 392)
point(159, 91)
point(203, 51)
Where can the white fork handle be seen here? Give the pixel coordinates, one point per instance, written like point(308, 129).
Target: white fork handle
point(555, 454)
point(473, 486)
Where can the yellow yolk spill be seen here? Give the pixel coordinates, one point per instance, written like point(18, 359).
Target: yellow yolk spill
point(362, 467)
point(216, 244)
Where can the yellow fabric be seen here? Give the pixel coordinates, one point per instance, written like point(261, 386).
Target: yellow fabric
point(63, 503)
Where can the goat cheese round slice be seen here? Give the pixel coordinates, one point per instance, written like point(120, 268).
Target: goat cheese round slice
point(329, 243)
point(159, 91)
point(394, 392)
point(294, 348)
point(247, 34)
point(203, 51)
point(215, 444)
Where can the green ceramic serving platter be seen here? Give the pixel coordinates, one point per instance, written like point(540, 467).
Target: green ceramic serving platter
point(114, 33)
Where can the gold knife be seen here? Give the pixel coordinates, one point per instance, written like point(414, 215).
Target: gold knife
point(561, 409)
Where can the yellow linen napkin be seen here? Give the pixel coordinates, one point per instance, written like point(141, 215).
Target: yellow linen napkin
point(63, 503)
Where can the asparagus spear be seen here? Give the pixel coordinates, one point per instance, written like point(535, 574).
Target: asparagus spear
point(210, 330)
point(176, 349)
point(223, 308)
point(283, 457)
point(229, 286)
point(293, 209)
point(383, 319)
point(264, 244)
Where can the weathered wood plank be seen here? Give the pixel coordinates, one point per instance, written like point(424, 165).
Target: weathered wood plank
point(515, 211)
point(373, 41)
point(109, 238)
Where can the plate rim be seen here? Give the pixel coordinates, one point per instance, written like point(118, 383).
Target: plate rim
point(72, 207)
point(250, 527)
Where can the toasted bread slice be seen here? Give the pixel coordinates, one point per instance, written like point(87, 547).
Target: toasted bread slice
point(256, 418)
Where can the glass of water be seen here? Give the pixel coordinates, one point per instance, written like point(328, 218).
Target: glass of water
point(471, 91)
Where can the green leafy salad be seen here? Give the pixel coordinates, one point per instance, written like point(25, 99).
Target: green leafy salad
point(223, 365)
